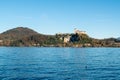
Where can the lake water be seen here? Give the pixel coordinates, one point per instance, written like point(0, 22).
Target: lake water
point(34, 63)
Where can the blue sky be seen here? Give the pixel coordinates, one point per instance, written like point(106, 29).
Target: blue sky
point(99, 18)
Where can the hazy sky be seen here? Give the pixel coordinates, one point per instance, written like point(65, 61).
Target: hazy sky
point(99, 18)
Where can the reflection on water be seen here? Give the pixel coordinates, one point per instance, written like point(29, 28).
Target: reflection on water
point(30, 63)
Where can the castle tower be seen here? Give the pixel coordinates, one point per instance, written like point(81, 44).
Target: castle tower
point(78, 31)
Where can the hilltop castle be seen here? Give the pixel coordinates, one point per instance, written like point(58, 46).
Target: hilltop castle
point(66, 37)
point(76, 31)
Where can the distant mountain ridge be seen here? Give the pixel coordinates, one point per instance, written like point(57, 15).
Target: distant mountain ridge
point(19, 29)
point(17, 33)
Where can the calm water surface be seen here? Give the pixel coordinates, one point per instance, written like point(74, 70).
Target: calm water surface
point(30, 63)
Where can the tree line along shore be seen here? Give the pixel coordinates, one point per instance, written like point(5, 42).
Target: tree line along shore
point(22, 36)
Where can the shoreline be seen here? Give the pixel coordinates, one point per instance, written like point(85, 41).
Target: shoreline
point(57, 47)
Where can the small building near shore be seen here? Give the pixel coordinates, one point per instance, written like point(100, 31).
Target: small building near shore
point(67, 39)
point(1, 41)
